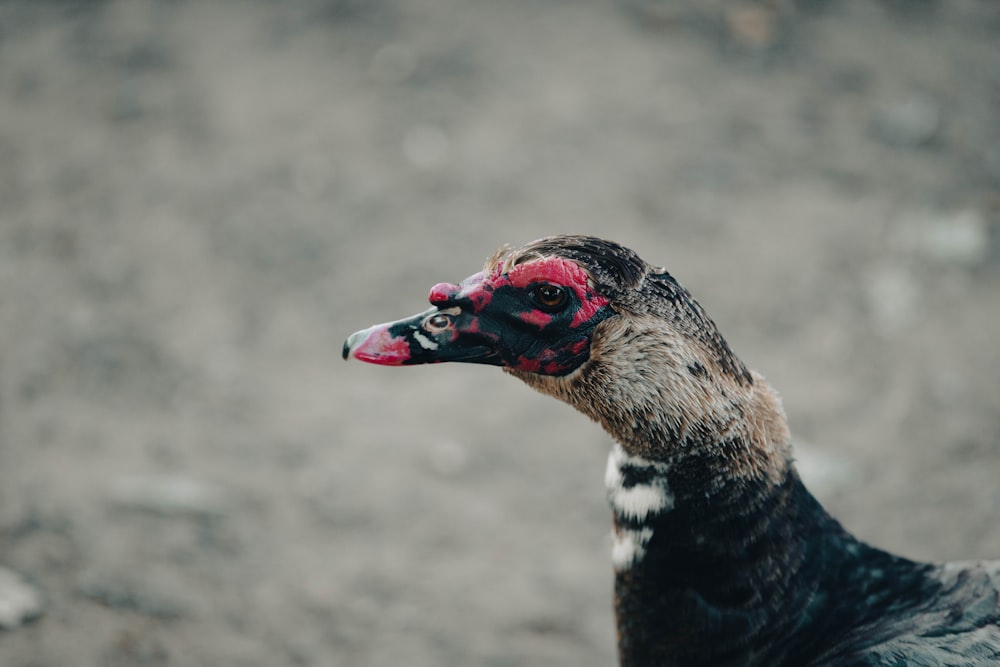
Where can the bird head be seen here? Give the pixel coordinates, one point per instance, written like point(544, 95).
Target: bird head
point(533, 309)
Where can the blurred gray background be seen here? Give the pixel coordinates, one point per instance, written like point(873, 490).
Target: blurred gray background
point(200, 200)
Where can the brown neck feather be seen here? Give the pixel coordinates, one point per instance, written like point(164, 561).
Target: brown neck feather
point(664, 395)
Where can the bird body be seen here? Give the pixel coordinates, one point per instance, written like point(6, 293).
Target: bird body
point(721, 555)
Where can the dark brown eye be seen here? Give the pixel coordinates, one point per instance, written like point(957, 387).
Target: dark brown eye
point(548, 297)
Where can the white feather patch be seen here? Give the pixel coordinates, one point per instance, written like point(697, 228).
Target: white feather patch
point(424, 341)
point(640, 500)
point(634, 503)
point(629, 546)
point(613, 474)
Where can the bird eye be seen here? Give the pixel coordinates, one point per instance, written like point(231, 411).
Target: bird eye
point(548, 297)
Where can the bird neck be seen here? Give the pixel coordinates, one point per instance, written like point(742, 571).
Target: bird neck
point(720, 552)
point(664, 396)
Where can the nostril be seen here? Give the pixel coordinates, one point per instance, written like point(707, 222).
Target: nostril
point(443, 293)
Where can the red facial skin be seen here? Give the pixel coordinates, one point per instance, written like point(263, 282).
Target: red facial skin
point(552, 270)
point(537, 318)
point(475, 321)
point(559, 271)
point(468, 289)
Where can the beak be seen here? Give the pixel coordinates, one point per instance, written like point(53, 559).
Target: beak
point(433, 336)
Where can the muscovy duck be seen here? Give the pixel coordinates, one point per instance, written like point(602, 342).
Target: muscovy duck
point(721, 555)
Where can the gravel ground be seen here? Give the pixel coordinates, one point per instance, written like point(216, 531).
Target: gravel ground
point(200, 200)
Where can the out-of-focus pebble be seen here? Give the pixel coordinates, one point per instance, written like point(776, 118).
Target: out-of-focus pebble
point(751, 26)
point(171, 495)
point(20, 602)
point(911, 123)
point(957, 237)
point(120, 594)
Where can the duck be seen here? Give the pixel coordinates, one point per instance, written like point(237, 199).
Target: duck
point(721, 555)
